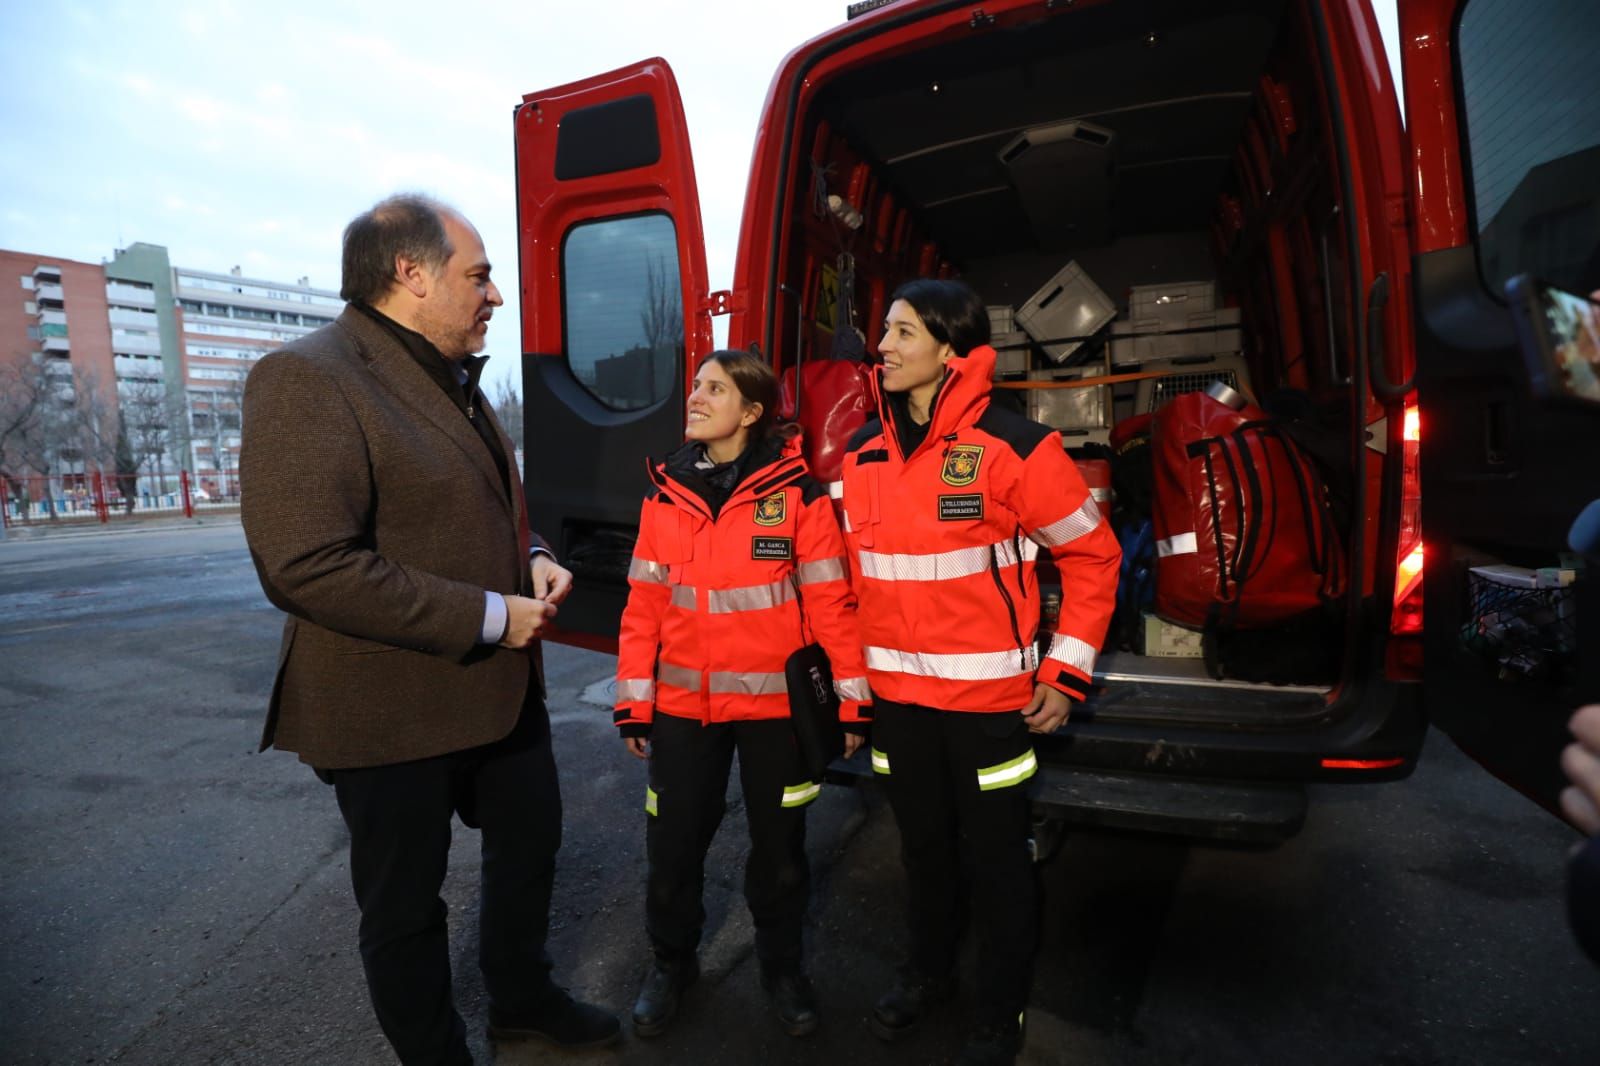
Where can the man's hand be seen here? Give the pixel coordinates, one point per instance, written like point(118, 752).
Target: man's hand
point(639, 747)
point(525, 619)
point(1048, 710)
point(551, 580)
point(852, 743)
point(1580, 801)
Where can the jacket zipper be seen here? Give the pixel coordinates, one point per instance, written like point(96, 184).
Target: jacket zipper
point(1011, 608)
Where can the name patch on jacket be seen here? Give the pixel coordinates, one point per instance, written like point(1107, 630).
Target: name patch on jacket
point(771, 547)
point(961, 508)
point(961, 464)
point(769, 510)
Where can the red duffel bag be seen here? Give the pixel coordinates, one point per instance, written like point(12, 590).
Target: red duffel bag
point(1244, 537)
point(835, 401)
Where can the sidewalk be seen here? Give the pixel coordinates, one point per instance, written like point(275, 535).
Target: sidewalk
point(80, 527)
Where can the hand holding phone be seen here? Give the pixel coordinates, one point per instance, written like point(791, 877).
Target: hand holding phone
point(1559, 333)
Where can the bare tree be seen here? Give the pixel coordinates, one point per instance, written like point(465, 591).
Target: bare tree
point(225, 401)
point(662, 318)
point(23, 385)
point(93, 424)
point(508, 408)
point(147, 411)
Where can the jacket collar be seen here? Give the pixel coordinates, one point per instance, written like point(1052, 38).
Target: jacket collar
point(961, 400)
point(773, 464)
point(407, 377)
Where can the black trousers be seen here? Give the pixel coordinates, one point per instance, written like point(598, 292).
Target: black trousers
point(689, 766)
point(399, 821)
point(957, 784)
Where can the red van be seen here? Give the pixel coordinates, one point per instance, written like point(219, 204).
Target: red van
point(1251, 151)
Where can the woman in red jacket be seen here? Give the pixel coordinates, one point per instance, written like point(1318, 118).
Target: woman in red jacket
point(739, 562)
point(948, 501)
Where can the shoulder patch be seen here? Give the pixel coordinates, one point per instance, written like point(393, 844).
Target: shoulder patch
point(811, 489)
point(872, 428)
point(1022, 434)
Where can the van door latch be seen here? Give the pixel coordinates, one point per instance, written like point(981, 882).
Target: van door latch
point(722, 302)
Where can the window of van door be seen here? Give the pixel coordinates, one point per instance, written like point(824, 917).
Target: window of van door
point(624, 309)
point(1530, 89)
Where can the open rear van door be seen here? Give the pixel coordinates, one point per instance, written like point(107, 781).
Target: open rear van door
point(1503, 114)
point(614, 308)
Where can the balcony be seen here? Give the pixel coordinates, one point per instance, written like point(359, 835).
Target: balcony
point(46, 275)
point(52, 318)
point(122, 316)
point(135, 343)
point(59, 345)
point(129, 295)
point(49, 291)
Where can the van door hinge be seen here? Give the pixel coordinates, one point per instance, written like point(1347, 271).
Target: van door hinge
point(722, 302)
point(981, 19)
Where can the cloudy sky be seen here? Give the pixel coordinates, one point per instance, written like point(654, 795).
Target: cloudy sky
point(241, 132)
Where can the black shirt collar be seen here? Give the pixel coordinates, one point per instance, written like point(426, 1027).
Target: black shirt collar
point(443, 371)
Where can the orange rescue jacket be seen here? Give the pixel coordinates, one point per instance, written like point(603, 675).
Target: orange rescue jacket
point(712, 610)
point(943, 543)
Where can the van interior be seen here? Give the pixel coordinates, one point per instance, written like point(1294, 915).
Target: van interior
point(1153, 190)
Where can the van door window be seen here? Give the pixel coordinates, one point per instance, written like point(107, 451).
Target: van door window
point(624, 309)
point(1530, 85)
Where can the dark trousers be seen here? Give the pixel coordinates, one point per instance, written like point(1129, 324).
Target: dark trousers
point(960, 840)
point(399, 821)
point(689, 765)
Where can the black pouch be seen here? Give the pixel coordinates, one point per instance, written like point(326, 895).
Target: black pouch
point(814, 709)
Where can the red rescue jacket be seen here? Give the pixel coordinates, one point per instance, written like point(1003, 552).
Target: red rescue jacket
point(712, 610)
point(943, 543)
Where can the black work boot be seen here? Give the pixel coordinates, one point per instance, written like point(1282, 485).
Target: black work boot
point(993, 1044)
point(794, 1001)
point(658, 998)
point(557, 1019)
point(900, 1008)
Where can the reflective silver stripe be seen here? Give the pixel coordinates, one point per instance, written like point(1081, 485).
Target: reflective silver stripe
point(821, 570)
point(1070, 528)
point(1078, 654)
point(750, 684)
point(683, 596)
point(678, 676)
point(800, 795)
point(968, 666)
point(650, 801)
point(1101, 495)
point(880, 762)
point(635, 690)
point(943, 566)
point(1008, 773)
point(1177, 544)
point(749, 598)
point(647, 571)
point(836, 489)
point(852, 688)
point(844, 521)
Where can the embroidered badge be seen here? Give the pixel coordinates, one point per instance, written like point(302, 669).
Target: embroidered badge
point(772, 547)
point(961, 464)
point(770, 510)
point(961, 508)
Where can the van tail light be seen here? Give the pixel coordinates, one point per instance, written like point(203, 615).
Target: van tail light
point(1404, 658)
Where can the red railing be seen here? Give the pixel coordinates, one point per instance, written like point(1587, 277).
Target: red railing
point(97, 497)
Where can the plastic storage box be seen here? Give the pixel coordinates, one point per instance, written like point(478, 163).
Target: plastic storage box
point(1068, 305)
point(1203, 333)
point(1172, 641)
point(1085, 408)
point(1158, 308)
point(1011, 354)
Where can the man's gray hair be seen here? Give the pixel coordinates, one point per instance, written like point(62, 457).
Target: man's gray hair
point(407, 224)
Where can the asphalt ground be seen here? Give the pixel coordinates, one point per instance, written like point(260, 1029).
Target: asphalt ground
point(167, 895)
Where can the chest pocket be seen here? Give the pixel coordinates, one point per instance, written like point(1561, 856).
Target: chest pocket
point(862, 499)
point(675, 542)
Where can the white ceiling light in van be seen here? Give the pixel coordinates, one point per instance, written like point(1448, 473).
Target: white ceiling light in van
point(1063, 176)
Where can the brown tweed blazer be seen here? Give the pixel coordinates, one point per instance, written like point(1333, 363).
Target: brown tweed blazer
point(376, 519)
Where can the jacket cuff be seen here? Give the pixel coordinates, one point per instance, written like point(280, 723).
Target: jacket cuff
point(634, 729)
point(1064, 681)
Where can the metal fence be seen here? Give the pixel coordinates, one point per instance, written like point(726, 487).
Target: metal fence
point(94, 497)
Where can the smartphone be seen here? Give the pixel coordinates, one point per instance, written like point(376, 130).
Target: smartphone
point(1559, 333)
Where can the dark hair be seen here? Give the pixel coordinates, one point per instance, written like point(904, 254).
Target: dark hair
point(951, 310)
point(756, 384)
point(406, 224)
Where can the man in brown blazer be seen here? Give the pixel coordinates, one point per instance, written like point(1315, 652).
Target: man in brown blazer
point(384, 513)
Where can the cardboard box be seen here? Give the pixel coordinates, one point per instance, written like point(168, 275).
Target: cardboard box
point(1070, 304)
point(1170, 640)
